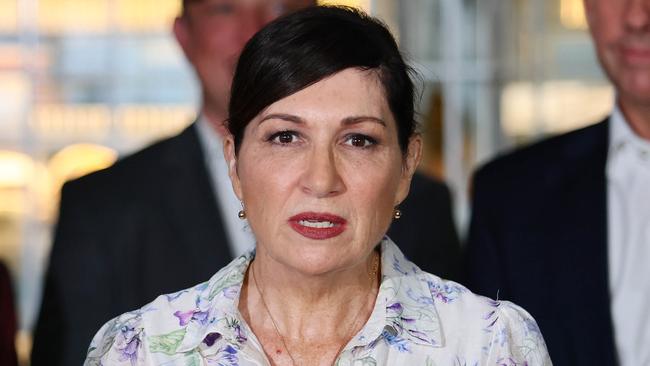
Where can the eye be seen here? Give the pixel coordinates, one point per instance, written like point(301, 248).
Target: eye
point(221, 9)
point(359, 140)
point(283, 137)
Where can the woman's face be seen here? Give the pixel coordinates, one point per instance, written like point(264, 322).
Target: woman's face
point(320, 172)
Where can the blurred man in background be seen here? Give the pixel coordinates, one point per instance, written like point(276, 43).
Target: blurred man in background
point(562, 228)
point(165, 218)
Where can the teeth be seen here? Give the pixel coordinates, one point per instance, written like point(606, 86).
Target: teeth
point(316, 224)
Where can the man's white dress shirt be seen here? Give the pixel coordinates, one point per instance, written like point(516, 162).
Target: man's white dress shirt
point(240, 237)
point(628, 194)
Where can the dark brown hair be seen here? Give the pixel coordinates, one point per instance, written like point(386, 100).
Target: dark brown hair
point(300, 49)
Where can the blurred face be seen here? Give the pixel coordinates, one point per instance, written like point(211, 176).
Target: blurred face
point(212, 33)
point(320, 172)
point(621, 33)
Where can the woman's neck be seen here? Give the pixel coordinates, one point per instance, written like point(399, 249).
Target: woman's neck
point(305, 311)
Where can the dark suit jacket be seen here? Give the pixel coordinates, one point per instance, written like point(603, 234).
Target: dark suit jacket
point(7, 320)
point(150, 225)
point(538, 237)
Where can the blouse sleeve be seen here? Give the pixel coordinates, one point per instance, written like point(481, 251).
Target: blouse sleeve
point(516, 339)
point(118, 342)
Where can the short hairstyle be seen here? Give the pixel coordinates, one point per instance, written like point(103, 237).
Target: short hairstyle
point(300, 49)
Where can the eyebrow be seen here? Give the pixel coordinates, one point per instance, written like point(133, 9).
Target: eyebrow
point(346, 121)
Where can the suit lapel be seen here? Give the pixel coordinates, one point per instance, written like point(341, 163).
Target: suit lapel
point(582, 271)
point(191, 205)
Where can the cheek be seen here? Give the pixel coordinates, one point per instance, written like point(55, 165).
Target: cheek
point(373, 185)
point(217, 45)
point(609, 26)
point(266, 179)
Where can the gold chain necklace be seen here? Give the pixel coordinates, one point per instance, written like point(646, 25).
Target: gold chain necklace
point(372, 275)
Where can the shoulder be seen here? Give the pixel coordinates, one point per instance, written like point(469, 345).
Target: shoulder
point(173, 324)
point(423, 182)
point(139, 168)
point(118, 342)
point(426, 190)
point(158, 327)
point(485, 328)
point(558, 150)
point(520, 176)
point(514, 335)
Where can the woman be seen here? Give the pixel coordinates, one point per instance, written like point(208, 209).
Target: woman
point(321, 153)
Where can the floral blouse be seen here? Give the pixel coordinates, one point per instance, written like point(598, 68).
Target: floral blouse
point(418, 319)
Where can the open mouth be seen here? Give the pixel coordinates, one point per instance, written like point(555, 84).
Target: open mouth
point(318, 226)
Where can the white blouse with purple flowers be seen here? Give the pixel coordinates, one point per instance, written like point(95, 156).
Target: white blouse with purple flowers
point(418, 319)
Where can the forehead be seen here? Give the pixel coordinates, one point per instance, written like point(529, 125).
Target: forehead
point(343, 94)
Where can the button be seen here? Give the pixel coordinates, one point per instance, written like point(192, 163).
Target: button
point(644, 155)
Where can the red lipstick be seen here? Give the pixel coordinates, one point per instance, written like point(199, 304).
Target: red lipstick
point(637, 55)
point(317, 226)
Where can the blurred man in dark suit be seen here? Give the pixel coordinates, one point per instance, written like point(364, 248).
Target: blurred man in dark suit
point(562, 228)
point(165, 218)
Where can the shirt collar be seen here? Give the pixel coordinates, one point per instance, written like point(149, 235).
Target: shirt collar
point(404, 311)
point(624, 143)
point(621, 133)
point(209, 139)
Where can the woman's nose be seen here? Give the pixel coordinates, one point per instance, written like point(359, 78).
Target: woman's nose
point(321, 177)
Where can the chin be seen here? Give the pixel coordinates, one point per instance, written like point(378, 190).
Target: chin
point(638, 93)
point(319, 257)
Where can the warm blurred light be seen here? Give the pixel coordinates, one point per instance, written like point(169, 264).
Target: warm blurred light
point(553, 107)
point(63, 16)
point(17, 172)
point(98, 16)
point(60, 121)
point(23, 346)
point(79, 159)
point(16, 169)
point(146, 15)
point(572, 14)
point(361, 4)
point(8, 16)
point(20, 177)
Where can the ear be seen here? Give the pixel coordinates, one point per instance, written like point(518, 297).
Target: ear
point(410, 165)
point(182, 34)
point(231, 160)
